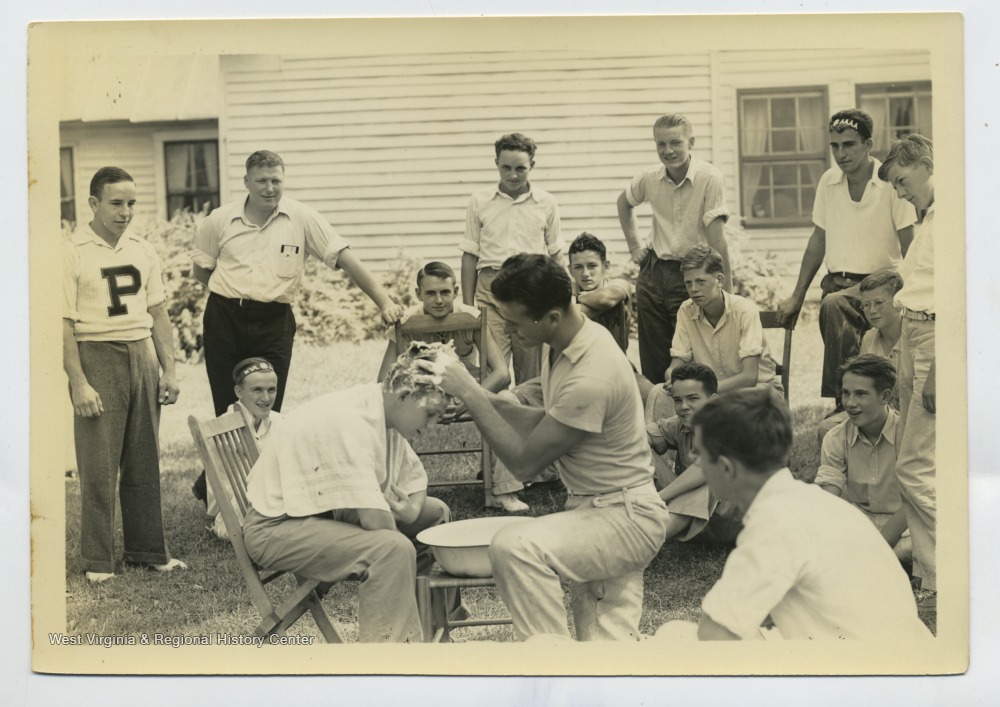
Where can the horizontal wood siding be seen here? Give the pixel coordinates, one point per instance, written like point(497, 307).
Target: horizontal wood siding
point(389, 148)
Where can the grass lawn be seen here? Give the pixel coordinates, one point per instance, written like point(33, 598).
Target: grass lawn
point(211, 597)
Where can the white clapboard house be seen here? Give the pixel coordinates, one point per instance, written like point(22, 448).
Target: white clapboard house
point(389, 147)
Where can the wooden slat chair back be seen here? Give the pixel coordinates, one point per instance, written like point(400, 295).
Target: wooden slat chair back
point(423, 326)
point(771, 320)
point(228, 450)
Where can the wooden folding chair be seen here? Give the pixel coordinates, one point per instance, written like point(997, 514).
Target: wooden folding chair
point(433, 606)
point(228, 450)
point(771, 320)
point(423, 327)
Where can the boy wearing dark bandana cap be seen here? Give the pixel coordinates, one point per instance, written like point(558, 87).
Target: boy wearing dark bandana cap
point(860, 226)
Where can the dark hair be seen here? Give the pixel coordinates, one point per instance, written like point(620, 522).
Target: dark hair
point(751, 425)
point(905, 151)
point(697, 372)
point(264, 158)
point(877, 368)
point(435, 268)
point(859, 117)
point(702, 256)
point(107, 175)
point(516, 142)
point(534, 281)
point(588, 241)
point(889, 279)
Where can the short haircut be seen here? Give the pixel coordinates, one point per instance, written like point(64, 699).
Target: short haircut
point(877, 368)
point(854, 119)
point(702, 256)
point(435, 268)
point(697, 372)
point(516, 142)
point(750, 425)
point(534, 281)
point(417, 371)
point(588, 241)
point(107, 175)
point(889, 279)
point(906, 151)
point(674, 120)
point(264, 158)
point(255, 364)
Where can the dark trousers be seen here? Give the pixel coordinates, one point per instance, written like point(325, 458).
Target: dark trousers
point(235, 331)
point(659, 293)
point(841, 323)
point(118, 451)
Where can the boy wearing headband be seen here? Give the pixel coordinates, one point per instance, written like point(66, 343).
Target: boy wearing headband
point(860, 226)
point(338, 493)
point(256, 385)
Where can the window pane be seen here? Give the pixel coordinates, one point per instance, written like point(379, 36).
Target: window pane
point(67, 195)
point(786, 203)
point(192, 175)
point(785, 174)
point(784, 141)
point(783, 112)
point(924, 115)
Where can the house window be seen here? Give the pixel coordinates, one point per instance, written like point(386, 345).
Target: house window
point(67, 193)
point(783, 153)
point(192, 175)
point(896, 110)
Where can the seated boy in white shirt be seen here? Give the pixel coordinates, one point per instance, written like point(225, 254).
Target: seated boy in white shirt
point(256, 385)
point(808, 560)
point(338, 493)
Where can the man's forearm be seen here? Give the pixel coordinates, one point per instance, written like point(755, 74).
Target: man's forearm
point(812, 259)
point(716, 237)
point(626, 217)
point(470, 276)
point(352, 265)
point(163, 338)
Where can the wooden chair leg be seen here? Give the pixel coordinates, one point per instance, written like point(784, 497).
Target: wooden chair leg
point(439, 614)
point(424, 606)
point(323, 623)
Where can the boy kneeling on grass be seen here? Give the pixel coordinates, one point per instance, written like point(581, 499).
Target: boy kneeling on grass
point(256, 385)
point(694, 509)
point(338, 493)
point(808, 560)
point(438, 295)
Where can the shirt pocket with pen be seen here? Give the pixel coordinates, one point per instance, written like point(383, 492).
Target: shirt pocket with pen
point(288, 261)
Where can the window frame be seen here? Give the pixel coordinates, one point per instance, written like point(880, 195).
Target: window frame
point(160, 142)
point(887, 89)
point(72, 198)
point(746, 211)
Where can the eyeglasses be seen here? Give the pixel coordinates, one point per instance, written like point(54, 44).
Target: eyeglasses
point(875, 304)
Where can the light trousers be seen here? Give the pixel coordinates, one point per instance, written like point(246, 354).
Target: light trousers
point(915, 462)
point(601, 544)
point(527, 361)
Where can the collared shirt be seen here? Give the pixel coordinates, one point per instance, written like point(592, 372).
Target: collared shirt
point(671, 433)
point(334, 452)
point(498, 226)
point(865, 472)
point(874, 343)
point(737, 335)
point(590, 386)
point(464, 341)
point(262, 432)
point(817, 566)
point(263, 263)
point(681, 212)
point(861, 236)
point(108, 290)
point(917, 269)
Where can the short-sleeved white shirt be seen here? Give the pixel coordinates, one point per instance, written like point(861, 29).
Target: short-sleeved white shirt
point(590, 386)
point(498, 226)
point(681, 212)
point(861, 236)
point(263, 263)
point(737, 335)
point(332, 453)
point(108, 290)
point(817, 565)
point(917, 269)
